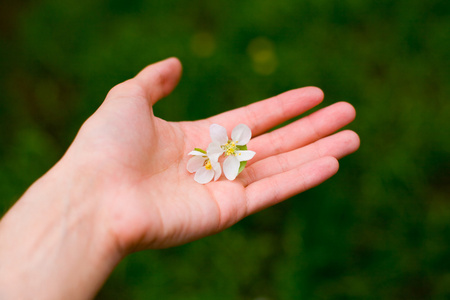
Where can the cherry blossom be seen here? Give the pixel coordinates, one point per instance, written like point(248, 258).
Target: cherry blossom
point(204, 167)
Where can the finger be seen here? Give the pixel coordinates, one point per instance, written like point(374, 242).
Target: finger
point(337, 145)
point(153, 83)
point(263, 115)
point(302, 132)
point(274, 189)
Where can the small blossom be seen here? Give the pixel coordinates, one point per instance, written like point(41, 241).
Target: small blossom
point(205, 167)
point(234, 149)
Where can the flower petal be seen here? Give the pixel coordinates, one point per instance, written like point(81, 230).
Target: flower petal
point(231, 167)
point(195, 152)
point(242, 134)
point(195, 163)
point(217, 170)
point(218, 134)
point(214, 151)
point(244, 155)
point(203, 175)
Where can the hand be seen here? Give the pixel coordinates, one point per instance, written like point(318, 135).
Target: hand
point(147, 197)
point(123, 186)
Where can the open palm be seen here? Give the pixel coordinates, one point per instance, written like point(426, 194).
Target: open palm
point(150, 200)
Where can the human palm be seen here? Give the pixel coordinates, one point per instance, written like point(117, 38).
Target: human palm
point(149, 198)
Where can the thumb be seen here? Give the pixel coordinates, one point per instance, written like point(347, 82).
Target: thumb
point(154, 82)
point(159, 79)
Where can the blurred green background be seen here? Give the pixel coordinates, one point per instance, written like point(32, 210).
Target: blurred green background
point(379, 229)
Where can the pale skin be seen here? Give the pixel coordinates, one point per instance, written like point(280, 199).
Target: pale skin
point(122, 186)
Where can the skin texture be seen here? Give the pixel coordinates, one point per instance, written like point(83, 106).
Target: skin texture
point(123, 186)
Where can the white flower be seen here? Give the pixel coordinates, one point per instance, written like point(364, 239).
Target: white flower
point(204, 167)
point(234, 149)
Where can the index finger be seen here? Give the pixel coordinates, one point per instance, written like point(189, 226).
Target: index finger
point(263, 115)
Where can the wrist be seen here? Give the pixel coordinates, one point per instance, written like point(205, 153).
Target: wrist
point(55, 233)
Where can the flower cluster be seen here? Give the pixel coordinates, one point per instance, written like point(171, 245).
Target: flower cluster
point(205, 164)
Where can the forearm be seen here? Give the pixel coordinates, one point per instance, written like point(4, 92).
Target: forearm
point(53, 244)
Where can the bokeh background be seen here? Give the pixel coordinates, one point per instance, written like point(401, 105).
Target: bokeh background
point(379, 229)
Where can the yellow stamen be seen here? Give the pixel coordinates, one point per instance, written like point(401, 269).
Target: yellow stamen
point(230, 151)
point(208, 165)
point(230, 148)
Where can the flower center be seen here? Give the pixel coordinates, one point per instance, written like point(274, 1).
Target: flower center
point(207, 164)
point(230, 148)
